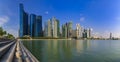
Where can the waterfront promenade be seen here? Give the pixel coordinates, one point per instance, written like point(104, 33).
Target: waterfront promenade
point(14, 51)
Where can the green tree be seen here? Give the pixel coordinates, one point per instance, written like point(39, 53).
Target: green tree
point(1, 31)
point(10, 36)
point(4, 32)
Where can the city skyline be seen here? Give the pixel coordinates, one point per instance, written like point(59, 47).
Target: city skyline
point(106, 12)
point(31, 25)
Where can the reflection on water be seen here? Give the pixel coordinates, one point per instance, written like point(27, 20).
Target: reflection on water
point(75, 50)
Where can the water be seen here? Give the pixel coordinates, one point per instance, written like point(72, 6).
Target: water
point(75, 50)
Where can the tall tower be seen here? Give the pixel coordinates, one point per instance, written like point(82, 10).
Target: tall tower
point(38, 26)
point(69, 29)
point(110, 35)
point(64, 30)
point(88, 33)
point(32, 25)
point(49, 28)
point(90, 30)
point(85, 33)
point(78, 30)
point(55, 27)
point(35, 25)
point(23, 30)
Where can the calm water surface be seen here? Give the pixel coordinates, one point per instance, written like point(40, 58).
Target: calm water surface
point(75, 50)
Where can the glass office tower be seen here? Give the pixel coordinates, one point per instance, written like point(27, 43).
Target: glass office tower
point(23, 30)
point(35, 26)
point(32, 25)
point(38, 27)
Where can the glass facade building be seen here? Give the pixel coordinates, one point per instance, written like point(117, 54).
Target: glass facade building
point(35, 26)
point(30, 25)
point(23, 30)
point(67, 30)
point(38, 27)
point(64, 30)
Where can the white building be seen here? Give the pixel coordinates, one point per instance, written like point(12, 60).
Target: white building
point(78, 31)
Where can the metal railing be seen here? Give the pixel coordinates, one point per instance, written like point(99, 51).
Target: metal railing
point(15, 51)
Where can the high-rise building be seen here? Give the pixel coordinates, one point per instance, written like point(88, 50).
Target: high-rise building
point(53, 29)
point(87, 33)
point(23, 30)
point(81, 33)
point(74, 33)
point(78, 30)
point(45, 28)
point(69, 29)
point(35, 25)
point(110, 35)
point(38, 27)
point(49, 28)
point(90, 30)
point(64, 30)
point(32, 25)
point(58, 28)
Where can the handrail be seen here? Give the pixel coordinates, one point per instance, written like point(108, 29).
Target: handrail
point(16, 51)
point(33, 59)
point(4, 49)
point(28, 53)
point(4, 43)
point(8, 57)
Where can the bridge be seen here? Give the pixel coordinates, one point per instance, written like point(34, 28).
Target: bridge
point(15, 51)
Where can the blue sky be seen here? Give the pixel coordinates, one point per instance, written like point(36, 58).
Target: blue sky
point(103, 16)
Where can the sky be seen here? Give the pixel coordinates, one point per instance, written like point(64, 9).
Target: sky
point(103, 16)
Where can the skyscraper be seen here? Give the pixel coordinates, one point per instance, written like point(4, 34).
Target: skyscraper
point(23, 30)
point(87, 33)
point(38, 27)
point(64, 30)
point(110, 35)
point(58, 28)
point(49, 28)
point(55, 27)
point(35, 25)
point(90, 30)
point(78, 30)
point(69, 27)
point(67, 30)
point(52, 28)
point(32, 25)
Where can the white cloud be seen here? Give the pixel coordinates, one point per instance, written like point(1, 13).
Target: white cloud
point(3, 20)
point(82, 19)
